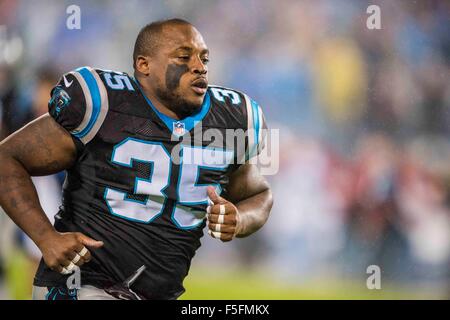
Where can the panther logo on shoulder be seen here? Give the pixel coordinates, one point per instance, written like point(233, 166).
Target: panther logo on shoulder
point(60, 99)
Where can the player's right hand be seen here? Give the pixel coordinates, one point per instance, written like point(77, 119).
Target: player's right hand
point(62, 251)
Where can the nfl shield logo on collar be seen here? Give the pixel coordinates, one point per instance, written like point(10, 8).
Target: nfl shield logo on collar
point(178, 128)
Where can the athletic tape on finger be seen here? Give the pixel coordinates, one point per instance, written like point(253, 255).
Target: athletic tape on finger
point(70, 267)
point(222, 209)
point(217, 227)
point(221, 219)
point(83, 252)
point(214, 234)
point(64, 271)
point(76, 259)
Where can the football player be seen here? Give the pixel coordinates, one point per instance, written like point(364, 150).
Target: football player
point(141, 185)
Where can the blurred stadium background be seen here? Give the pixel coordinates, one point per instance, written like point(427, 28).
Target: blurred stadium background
point(364, 123)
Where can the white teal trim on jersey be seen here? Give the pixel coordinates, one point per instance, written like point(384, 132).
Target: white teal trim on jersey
point(221, 93)
point(153, 187)
point(187, 212)
point(193, 159)
point(97, 105)
point(254, 120)
point(118, 82)
point(88, 101)
point(104, 107)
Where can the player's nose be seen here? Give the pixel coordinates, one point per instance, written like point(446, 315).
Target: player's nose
point(198, 66)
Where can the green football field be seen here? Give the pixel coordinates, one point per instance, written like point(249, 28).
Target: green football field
point(219, 284)
point(238, 284)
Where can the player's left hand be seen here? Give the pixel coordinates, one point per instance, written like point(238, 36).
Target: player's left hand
point(223, 217)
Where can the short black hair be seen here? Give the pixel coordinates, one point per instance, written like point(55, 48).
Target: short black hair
point(148, 38)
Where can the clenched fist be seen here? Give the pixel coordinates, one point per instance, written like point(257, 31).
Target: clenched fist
point(63, 251)
point(223, 217)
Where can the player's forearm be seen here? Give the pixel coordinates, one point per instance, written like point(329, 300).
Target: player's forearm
point(254, 212)
point(19, 199)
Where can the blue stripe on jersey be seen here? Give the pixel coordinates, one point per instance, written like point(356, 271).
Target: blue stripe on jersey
point(96, 100)
point(255, 108)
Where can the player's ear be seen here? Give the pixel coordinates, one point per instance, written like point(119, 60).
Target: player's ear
point(143, 64)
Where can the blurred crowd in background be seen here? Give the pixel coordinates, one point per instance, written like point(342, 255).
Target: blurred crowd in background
point(364, 120)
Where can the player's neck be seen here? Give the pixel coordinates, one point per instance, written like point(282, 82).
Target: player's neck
point(159, 105)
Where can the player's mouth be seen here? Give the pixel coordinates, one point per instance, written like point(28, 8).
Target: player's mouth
point(200, 86)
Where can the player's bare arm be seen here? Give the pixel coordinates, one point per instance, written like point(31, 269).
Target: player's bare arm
point(244, 209)
point(41, 148)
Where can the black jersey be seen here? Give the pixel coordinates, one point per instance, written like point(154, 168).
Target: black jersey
point(139, 182)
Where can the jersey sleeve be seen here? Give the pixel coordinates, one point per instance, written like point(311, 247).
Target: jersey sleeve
point(256, 129)
point(79, 103)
